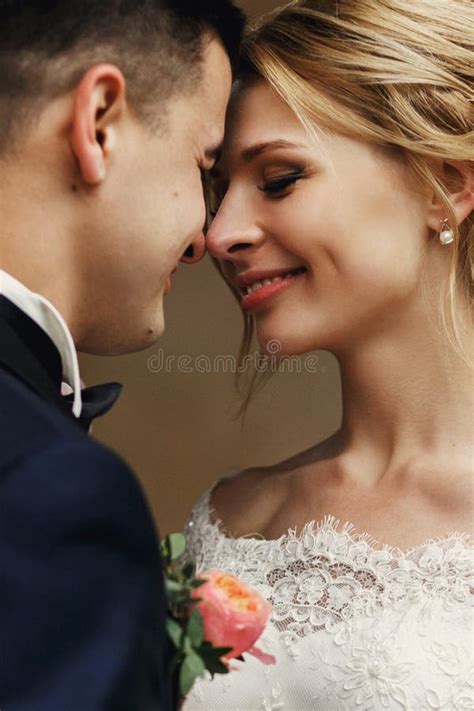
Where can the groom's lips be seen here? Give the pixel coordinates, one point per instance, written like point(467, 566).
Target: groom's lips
point(168, 281)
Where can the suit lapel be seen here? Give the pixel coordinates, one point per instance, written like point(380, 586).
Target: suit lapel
point(27, 352)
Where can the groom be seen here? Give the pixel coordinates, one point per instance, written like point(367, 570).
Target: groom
point(111, 111)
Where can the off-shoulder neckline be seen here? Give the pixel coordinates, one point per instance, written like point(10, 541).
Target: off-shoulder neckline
point(344, 529)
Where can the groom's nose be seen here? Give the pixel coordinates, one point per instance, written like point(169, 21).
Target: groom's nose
point(196, 250)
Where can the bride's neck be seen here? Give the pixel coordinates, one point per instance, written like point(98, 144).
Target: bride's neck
point(406, 395)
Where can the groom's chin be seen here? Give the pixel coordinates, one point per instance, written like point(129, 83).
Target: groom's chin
point(153, 330)
point(122, 338)
point(154, 334)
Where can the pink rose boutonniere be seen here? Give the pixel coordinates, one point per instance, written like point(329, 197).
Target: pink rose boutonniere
point(211, 618)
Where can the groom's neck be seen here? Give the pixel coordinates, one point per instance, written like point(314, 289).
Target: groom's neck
point(37, 240)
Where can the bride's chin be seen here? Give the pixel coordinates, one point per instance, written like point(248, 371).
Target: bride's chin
point(276, 347)
point(275, 343)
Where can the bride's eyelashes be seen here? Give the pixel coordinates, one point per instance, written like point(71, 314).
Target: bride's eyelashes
point(276, 187)
point(279, 186)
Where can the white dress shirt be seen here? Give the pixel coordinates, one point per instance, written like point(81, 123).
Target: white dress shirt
point(47, 317)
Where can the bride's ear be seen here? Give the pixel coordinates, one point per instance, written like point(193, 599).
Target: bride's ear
point(458, 179)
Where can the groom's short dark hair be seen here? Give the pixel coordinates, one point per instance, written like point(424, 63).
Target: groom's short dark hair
point(46, 46)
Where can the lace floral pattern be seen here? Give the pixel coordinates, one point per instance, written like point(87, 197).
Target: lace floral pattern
point(354, 625)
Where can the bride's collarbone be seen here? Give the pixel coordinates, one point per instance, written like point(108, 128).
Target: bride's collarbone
point(403, 527)
point(265, 503)
point(246, 503)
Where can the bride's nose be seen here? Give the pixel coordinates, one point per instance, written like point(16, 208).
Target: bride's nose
point(231, 232)
point(196, 250)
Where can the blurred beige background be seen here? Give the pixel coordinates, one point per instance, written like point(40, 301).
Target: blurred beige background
point(177, 428)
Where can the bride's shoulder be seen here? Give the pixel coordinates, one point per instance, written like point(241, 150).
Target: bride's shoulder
point(247, 500)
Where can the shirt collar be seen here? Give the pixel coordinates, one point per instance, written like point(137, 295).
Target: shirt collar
point(47, 317)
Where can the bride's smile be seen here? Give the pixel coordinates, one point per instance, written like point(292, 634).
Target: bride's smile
point(268, 283)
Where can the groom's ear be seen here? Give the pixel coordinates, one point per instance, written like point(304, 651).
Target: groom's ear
point(99, 104)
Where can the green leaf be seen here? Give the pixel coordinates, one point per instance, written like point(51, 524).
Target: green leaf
point(195, 628)
point(192, 667)
point(211, 657)
point(189, 570)
point(217, 651)
point(173, 585)
point(187, 646)
point(165, 551)
point(175, 632)
point(174, 663)
point(177, 545)
point(217, 667)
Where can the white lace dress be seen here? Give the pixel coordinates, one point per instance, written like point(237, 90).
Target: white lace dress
point(355, 626)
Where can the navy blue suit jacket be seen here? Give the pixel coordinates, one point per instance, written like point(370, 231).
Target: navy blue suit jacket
point(81, 587)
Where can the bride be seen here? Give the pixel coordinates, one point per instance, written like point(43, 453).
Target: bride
point(345, 198)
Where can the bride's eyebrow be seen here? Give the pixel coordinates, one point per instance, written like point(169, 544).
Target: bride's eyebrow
point(248, 154)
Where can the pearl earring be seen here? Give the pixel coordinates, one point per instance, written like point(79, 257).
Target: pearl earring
point(446, 235)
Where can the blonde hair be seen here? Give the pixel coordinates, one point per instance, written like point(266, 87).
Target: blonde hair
point(393, 73)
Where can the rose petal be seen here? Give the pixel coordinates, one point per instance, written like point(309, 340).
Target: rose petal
point(262, 656)
point(233, 614)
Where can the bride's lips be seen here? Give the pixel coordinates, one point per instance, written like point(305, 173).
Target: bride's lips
point(267, 284)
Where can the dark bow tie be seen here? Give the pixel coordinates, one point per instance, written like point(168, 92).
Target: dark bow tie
point(28, 351)
point(96, 401)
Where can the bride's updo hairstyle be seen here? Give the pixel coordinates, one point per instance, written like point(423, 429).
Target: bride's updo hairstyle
point(393, 73)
